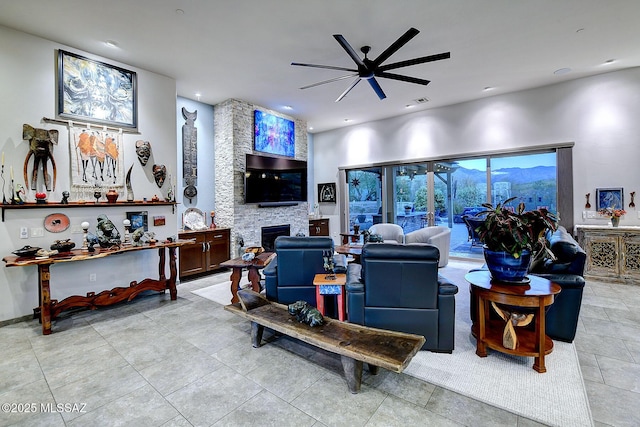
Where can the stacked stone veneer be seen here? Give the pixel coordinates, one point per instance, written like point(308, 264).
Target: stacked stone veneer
point(233, 138)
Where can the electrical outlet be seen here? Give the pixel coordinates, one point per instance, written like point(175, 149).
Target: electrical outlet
point(24, 233)
point(37, 232)
point(591, 214)
point(76, 229)
point(92, 277)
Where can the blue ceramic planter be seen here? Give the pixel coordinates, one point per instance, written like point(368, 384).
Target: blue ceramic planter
point(505, 268)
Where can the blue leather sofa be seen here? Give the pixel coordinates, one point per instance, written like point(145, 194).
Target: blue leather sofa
point(289, 277)
point(397, 287)
point(567, 270)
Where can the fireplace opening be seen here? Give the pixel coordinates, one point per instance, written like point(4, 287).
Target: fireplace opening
point(269, 234)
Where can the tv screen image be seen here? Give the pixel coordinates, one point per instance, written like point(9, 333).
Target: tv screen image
point(273, 134)
point(272, 180)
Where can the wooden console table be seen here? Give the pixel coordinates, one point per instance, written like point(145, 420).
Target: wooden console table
point(537, 294)
point(49, 309)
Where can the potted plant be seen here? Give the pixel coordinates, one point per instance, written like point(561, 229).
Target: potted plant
point(512, 238)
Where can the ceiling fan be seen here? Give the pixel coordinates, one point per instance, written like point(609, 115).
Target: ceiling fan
point(370, 69)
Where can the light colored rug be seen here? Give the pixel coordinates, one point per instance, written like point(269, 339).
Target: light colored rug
point(557, 397)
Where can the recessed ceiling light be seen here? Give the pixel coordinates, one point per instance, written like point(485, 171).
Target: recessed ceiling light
point(111, 43)
point(609, 61)
point(198, 95)
point(579, 30)
point(409, 106)
point(310, 127)
point(287, 107)
point(562, 71)
point(179, 12)
point(487, 88)
point(347, 120)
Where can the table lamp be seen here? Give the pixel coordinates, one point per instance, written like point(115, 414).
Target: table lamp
point(85, 231)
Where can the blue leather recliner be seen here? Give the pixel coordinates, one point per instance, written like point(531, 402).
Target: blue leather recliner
point(289, 277)
point(397, 287)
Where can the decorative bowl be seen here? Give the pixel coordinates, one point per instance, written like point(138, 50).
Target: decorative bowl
point(26, 251)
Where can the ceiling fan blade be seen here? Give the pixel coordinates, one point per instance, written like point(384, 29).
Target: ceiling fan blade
point(329, 81)
point(346, 46)
point(355, 82)
point(402, 40)
point(328, 67)
point(415, 61)
point(403, 78)
point(376, 87)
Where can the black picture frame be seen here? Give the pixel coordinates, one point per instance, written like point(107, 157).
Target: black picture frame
point(138, 219)
point(609, 198)
point(96, 92)
point(327, 192)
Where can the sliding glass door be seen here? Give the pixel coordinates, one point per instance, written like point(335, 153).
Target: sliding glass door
point(442, 192)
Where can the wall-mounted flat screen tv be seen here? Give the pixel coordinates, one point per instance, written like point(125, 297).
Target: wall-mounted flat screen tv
point(274, 180)
point(273, 134)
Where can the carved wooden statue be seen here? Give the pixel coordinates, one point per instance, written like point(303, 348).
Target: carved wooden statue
point(40, 147)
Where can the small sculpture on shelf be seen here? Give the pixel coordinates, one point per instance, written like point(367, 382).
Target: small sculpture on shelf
point(329, 265)
point(107, 233)
point(65, 198)
point(213, 220)
point(129, 188)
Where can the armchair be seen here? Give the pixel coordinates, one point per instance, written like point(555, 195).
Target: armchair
point(397, 287)
point(289, 277)
point(391, 233)
point(472, 223)
point(438, 236)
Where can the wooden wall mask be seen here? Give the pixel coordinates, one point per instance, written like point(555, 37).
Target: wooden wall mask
point(143, 150)
point(160, 174)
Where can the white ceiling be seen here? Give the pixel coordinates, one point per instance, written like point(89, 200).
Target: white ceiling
point(243, 49)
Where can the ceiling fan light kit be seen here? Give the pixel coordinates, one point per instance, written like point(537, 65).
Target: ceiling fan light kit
point(368, 69)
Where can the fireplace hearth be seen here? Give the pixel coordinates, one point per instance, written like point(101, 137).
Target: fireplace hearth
point(268, 235)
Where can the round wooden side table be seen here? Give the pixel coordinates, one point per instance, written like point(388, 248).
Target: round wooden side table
point(537, 294)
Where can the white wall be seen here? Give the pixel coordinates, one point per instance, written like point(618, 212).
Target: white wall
point(599, 114)
point(27, 83)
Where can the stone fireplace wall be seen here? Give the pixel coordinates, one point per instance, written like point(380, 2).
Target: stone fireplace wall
point(233, 138)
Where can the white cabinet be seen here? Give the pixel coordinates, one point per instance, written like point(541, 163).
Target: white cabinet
point(612, 252)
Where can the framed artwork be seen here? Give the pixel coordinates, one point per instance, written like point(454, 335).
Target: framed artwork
point(138, 219)
point(609, 198)
point(96, 92)
point(97, 158)
point(327, 192)
point(273, 134)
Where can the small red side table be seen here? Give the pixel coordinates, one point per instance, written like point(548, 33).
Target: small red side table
point(335, 286)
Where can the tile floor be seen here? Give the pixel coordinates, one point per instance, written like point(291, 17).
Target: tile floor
point(154, 362)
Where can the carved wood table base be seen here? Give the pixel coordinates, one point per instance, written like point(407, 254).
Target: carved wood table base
point(50, 309)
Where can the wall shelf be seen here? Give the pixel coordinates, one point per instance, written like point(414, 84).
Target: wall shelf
point(32, 205)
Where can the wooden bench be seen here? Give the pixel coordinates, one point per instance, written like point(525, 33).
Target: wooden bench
point(354, 343)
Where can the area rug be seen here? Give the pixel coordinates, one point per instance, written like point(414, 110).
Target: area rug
point(557, 397)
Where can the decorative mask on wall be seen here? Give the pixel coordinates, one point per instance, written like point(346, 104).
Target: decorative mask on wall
point(143, 150)
point(40, 147)
point(160, 174)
